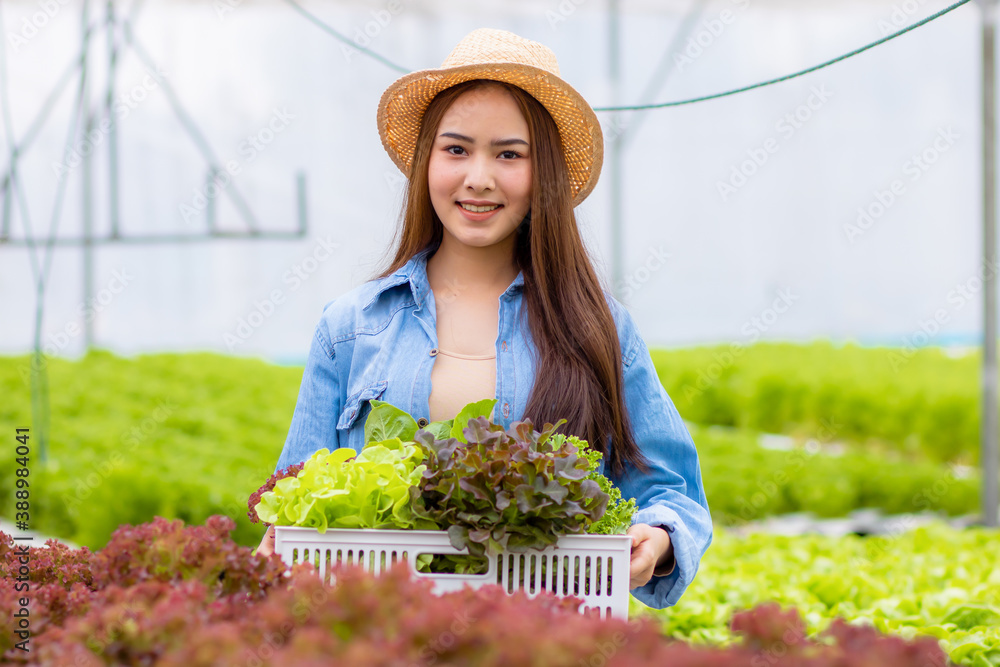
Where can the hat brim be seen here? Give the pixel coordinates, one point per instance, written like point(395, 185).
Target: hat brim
point(402, 106)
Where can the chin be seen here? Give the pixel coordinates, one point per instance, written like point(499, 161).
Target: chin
point(477, 242)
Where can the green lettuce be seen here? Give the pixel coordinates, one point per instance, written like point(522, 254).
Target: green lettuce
point(346, 489)
point(618, 517)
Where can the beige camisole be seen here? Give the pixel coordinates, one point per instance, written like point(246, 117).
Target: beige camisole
point(460, 379)
point(466, 323)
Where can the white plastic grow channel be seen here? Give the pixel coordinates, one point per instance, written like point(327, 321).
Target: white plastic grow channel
point(594, 568)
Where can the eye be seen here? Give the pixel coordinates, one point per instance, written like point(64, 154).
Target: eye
point(448, 149)
point(514, 154)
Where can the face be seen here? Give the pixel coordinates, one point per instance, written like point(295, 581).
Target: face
point(479, 172)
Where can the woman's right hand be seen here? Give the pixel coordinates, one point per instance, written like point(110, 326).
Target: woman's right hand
point(266, 547)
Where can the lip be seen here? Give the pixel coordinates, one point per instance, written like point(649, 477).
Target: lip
point(478, 217)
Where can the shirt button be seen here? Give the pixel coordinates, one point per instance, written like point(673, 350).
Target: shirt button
point(506, 409)
point(504, 346)
point(434, 352)
point(421, 422)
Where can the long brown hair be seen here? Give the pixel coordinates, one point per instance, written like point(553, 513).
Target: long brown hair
point(578, 367)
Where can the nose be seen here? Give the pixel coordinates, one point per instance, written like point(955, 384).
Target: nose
point(479, 176)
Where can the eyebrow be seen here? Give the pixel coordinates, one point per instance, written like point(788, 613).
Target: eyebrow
point(495, 142)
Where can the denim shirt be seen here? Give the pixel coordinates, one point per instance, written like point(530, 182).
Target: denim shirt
point(379, 341)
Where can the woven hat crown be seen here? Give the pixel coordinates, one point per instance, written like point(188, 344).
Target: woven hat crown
point(487, 45)
point(498, 55)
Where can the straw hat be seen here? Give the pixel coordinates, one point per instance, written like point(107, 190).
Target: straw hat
point(501, 56)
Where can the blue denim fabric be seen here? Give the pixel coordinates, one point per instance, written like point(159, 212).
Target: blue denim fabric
point(376, 342)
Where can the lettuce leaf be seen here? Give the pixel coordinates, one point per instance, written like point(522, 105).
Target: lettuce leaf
point(345, 489)
point(501, 489)
point(618, 517)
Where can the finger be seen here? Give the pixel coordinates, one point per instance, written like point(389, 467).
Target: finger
point(640, 566)
point(266, 547)
point(643, 553)
point(638, 541)
point(638, 578)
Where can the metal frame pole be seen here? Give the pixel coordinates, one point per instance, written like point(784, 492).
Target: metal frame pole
point(87, 188)
point(615, 152)
point(989, 457)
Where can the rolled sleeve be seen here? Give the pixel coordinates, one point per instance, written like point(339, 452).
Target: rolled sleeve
point(671, 494)
point(314, 422)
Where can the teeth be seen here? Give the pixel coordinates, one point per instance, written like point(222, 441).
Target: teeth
point(479, 209)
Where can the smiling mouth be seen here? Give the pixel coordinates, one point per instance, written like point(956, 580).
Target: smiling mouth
point(479, 209)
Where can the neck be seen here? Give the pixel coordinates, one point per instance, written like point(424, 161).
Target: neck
point(483, 270)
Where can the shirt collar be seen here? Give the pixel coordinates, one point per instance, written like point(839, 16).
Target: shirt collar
point(414, 272)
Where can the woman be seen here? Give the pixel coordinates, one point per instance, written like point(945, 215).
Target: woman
point(491, 294)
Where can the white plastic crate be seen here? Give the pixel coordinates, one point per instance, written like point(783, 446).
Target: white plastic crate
point(605, 558)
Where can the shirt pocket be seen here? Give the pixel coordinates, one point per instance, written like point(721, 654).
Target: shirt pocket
point(351, 424)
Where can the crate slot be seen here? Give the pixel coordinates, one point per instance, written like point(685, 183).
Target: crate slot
point(444, 567)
